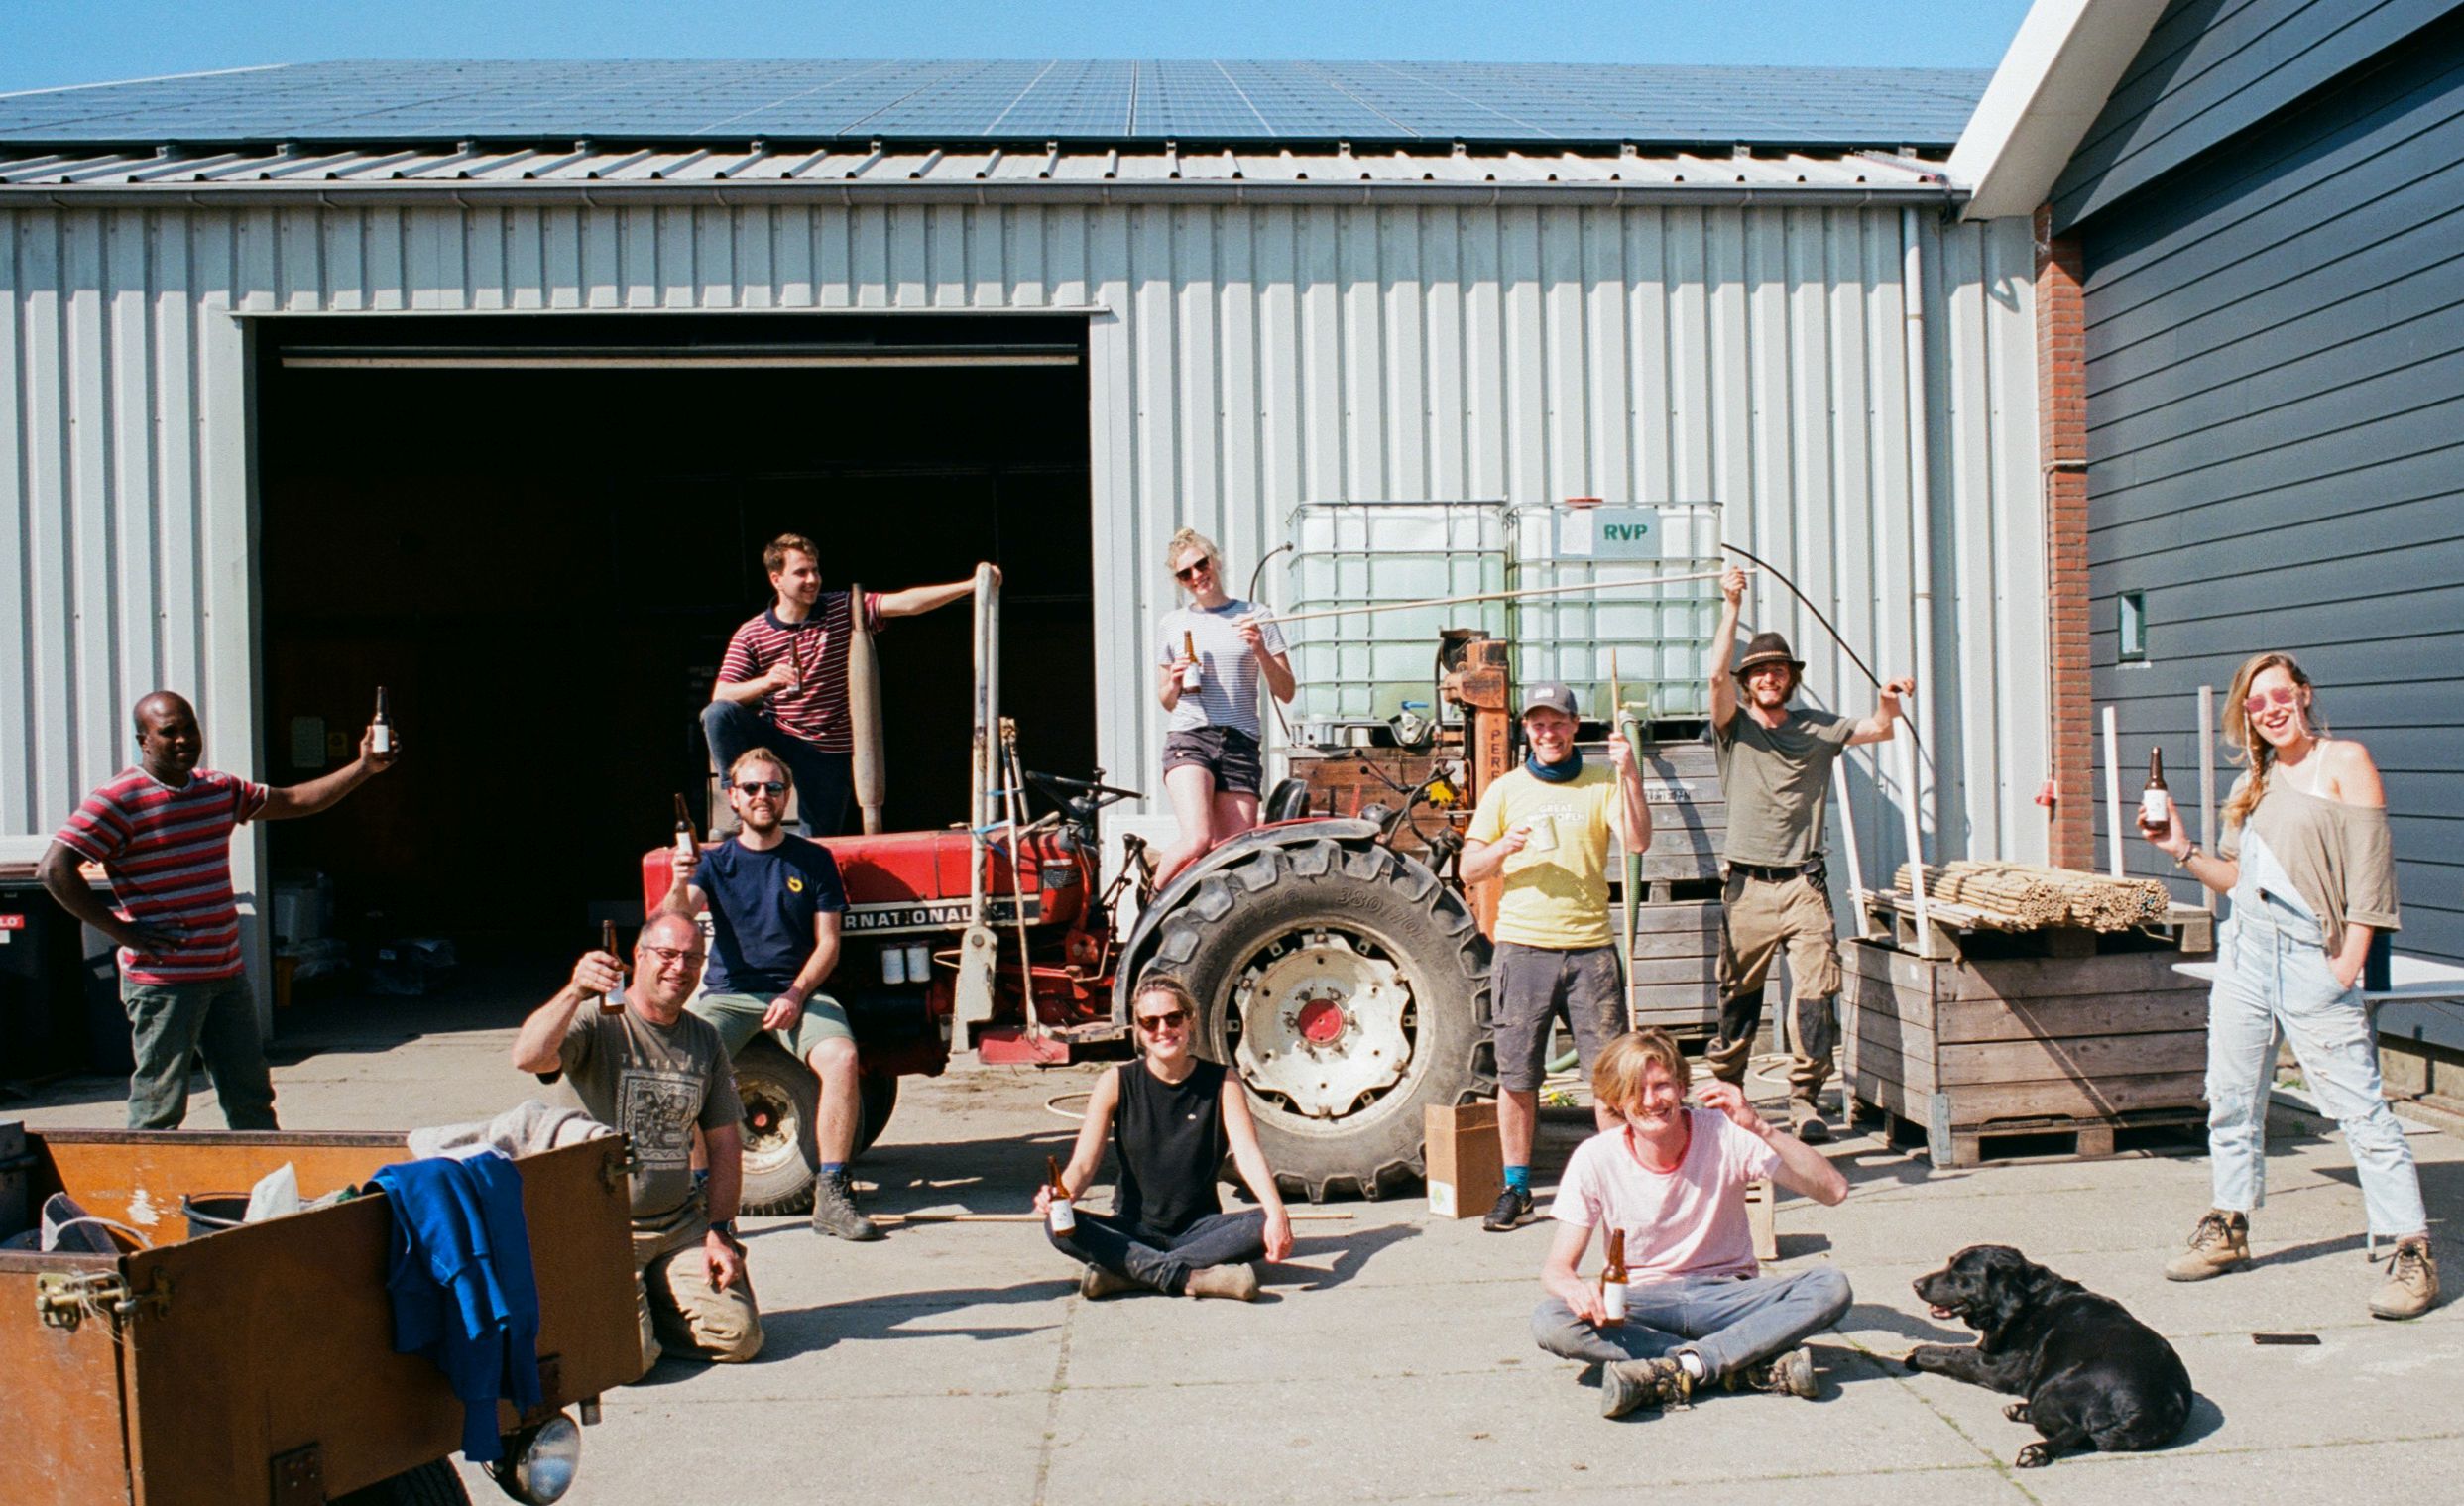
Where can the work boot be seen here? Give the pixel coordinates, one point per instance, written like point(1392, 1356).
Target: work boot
point(1630, 1383)
point(1806, 1121)
point(1790, 1375)
point(1098, 1282)
point(833, 1209)
point(1514, 1207)
point(2411, 1284)
point(1234, 1283)
point(2220, 1243)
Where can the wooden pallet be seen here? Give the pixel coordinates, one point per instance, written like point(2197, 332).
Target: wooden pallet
point(2092, 1138)
point(1960, 930)
point(1674, 967)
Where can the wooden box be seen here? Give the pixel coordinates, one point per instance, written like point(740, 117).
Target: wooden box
point(1676, 967)
point(1972, 1050)
point(1467, 1167)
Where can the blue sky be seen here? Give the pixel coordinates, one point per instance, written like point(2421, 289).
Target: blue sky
point(51, 42)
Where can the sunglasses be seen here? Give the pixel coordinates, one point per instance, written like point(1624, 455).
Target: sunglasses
point(771, 787)
point(1194, 569)
point(1170, 1021)
point(2281, 695)
point(671, 956)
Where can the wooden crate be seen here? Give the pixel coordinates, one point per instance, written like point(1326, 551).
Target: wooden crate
point(1688, 811)
point(1974, 1048)
point(1675, 966)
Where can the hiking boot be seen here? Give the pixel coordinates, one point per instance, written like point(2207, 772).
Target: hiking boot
point(2218, 1245)
point(2411, 1284)
point(1234, 1283)
point(1805, 1123)
point(1098, 1282)
point(1658, 1383)
point(1790, 1375)
point(1514, 1207)
point(834, 1210)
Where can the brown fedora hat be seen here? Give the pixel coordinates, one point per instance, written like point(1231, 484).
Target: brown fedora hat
point(1768, 648)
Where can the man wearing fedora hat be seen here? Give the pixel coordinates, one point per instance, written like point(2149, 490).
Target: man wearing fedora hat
point(1543, 829)
point(1775, 764)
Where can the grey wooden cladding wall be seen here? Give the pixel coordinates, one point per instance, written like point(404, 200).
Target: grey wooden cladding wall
point(2275, 403)
point(2213, 68)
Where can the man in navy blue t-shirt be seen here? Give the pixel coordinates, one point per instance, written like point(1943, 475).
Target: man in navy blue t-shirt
point(775, 903)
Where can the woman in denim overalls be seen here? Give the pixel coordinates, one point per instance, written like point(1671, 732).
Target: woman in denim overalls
point(2306, 861)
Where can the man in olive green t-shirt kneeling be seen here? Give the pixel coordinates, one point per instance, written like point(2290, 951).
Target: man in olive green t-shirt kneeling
point(1544, 827)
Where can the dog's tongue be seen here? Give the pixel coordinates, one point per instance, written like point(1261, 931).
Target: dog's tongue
point(1945, 1312)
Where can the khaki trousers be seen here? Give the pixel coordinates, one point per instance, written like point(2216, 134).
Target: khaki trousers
point(1759, 920)
point(676, 1306)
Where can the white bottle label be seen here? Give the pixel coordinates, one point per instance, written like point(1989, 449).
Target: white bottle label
point(1064, 1217)
point(1613, 1299)
point(684, 843)
point(1189, 676)
point(381, 739)
point(2151, 806)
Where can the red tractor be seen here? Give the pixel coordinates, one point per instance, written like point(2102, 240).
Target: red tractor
point(1343, 976)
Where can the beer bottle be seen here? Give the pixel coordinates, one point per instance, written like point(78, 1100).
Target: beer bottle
point(1188, 670)
point(1062, 1216)
point(381, 728)
point(611, 1004)
point(684, 828)
point(1612, 1279)
point(2151, 800)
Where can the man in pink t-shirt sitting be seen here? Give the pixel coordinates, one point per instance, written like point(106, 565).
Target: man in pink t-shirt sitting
point(1673, 1179)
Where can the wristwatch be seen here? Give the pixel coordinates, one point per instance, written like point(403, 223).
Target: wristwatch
point(2183, 861)
point(724, 1228)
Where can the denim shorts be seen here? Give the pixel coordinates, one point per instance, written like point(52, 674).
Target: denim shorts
point(1227, 753)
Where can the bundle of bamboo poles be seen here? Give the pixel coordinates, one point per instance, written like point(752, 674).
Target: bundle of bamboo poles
point(2027, 897)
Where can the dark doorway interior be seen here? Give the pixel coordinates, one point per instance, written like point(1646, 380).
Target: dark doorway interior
point(543, 565)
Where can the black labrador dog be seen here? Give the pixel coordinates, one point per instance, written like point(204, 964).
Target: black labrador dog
point(2088, 1373)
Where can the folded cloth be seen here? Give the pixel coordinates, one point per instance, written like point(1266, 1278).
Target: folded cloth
point(529, 1125)
point(463, 1289)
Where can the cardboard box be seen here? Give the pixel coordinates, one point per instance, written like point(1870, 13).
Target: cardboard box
point(1467, 1170)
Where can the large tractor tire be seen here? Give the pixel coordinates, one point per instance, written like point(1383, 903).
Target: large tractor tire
point(782, 1102)
point(1350, 988)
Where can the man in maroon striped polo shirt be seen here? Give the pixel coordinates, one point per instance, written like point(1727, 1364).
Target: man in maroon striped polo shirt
point(783, 682)
point(162, 831)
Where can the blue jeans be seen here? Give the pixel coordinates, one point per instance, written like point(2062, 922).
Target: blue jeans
point(1163, 1261)
point(1728, 1322)
point(167, 1022)
point(823, 780)
point(2272, 971)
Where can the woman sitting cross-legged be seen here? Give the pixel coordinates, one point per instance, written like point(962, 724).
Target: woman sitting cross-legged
point(1175, 1116)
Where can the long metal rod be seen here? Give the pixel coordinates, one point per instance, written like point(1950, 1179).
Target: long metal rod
point(1915, 848)
point(2207, 783)
point(1919, 505)
point(2113, 792)
point(1485, 596)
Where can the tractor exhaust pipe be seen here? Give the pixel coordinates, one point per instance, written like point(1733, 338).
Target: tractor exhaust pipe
point(863, 714)
point(977, 953)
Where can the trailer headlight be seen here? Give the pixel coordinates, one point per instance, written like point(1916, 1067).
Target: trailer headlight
point(538, 1465)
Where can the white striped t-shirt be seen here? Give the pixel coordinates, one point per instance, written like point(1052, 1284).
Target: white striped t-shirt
point(1227, 692)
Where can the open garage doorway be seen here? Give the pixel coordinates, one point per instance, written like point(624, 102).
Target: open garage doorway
point(539, 533)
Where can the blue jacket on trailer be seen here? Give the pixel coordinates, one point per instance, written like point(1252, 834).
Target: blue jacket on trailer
point(464, 1293)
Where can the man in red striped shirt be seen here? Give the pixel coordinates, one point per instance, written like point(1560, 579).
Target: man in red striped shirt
point(784, 683)
point(162, 831)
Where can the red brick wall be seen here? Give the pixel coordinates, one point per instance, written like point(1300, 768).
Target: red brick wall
point(2062, 426)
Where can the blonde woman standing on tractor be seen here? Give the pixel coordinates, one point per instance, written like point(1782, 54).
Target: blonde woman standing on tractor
point(1213, 653)
point(2311, 872)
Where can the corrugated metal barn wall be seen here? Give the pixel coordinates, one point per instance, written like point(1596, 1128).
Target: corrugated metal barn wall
point(1243, 358)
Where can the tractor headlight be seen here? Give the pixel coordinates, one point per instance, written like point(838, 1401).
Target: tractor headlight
point(538, 1465)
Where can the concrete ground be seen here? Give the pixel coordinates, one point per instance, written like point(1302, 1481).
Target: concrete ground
point(1389, 1359)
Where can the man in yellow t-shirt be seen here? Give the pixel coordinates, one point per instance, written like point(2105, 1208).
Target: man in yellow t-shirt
point(1544, 827)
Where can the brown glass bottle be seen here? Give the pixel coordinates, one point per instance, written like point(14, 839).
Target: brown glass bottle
point(1062, 1212)
point(381, 727)
point(612, 1003)
point(2153, 799)
point(684, 826)
point(1614, 1279)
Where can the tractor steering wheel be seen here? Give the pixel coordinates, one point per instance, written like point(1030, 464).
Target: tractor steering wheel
point(1063, 792)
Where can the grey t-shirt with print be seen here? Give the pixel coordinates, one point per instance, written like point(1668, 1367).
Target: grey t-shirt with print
point(1227, 692)
point(655, 1083)
point(1777, 781)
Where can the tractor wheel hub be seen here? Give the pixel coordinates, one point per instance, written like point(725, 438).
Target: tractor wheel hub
point(1322, 1022)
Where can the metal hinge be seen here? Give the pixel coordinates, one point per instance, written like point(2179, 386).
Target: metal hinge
point(63, 1299)
point(621, 1166)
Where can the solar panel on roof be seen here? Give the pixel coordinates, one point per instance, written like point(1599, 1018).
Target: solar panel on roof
point(1248, 100)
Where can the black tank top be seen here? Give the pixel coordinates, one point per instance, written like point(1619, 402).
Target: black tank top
point(1171, 1139)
